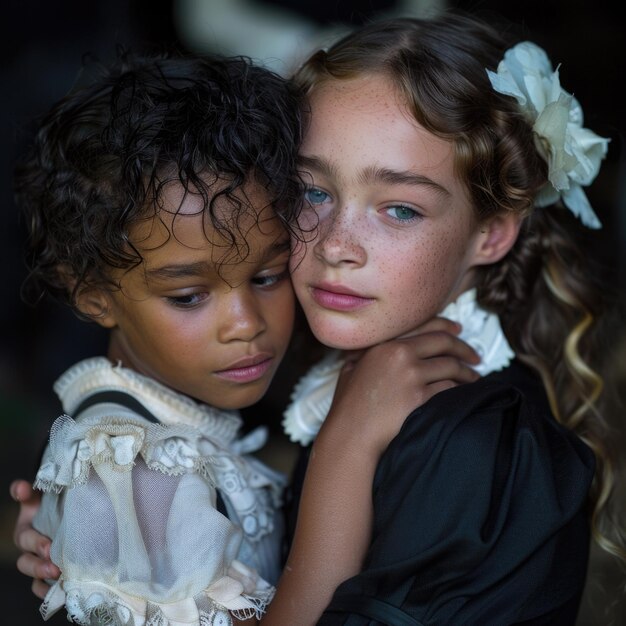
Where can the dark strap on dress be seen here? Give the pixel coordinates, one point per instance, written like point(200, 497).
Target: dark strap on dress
point(125, 399)
point(373, 608)
point(116, 397)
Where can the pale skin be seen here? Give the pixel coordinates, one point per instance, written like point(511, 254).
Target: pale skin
point(396, 241)
point(179, 299)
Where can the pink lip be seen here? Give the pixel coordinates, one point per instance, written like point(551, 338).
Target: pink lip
point(338, 297)
point(248, 369)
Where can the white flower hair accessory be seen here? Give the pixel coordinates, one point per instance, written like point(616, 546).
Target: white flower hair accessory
point(573, 153)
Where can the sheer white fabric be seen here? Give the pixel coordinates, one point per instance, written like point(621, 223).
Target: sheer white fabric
point(131, 508)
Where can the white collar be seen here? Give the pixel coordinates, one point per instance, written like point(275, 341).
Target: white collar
point(313, 394)
point(482, 331)
point(96, 374)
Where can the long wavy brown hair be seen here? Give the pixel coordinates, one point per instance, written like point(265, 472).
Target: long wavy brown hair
point(543, 291)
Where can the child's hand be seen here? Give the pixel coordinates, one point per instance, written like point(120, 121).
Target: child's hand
point(379, 387)
point(35, 558)
point(377, 390)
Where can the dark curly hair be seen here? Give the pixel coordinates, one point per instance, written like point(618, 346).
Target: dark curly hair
point(544, 290)
point(104, 153)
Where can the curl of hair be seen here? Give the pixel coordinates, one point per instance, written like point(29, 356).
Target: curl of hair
point(104, 154)
point(543, 289)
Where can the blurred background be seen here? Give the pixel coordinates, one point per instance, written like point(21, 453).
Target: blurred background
point(42, 47)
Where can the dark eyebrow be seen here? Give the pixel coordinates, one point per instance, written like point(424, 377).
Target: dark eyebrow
point(372, 175)
point(319, 165)
point(201, 268)
point(185, 270)
point(394, 177)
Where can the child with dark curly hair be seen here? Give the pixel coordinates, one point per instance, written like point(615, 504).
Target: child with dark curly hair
point(157, 199)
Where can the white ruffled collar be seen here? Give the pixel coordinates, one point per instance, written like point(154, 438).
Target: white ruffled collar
point(313, 394)
point(168, 406)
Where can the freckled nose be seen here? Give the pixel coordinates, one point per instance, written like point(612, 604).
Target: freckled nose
point(338, 243)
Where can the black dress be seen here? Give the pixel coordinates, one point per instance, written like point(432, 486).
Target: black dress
point(479, 514)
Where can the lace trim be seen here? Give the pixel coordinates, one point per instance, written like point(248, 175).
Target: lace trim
point(76, 446)
point(482, 331)
point(241, 594)
point(98, 374)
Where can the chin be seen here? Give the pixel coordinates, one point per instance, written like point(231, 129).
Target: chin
point(338, 340)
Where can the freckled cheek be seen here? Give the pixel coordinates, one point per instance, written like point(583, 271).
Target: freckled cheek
point(421, 278)
point(307, 221)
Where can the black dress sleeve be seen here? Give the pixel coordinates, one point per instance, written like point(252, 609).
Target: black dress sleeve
point(479, 515)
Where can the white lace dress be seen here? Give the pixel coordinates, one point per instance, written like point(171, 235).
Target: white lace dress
point(131, 507)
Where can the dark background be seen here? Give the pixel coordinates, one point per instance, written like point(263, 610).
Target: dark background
point(42, 46)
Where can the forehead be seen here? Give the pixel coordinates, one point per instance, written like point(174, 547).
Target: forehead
point(181, 226)
point(225, 215)
point(375, 94)
point(366, 122)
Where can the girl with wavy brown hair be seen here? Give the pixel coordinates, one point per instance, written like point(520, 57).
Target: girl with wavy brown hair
point(445, 167)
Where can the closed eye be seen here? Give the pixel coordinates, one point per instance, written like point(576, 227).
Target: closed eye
point(269, 280)
point(187, 301)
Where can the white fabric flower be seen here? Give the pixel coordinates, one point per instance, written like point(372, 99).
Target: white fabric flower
point(573, 153)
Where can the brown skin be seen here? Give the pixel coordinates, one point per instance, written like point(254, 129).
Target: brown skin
point(34, 561)
point(191, 311)
point(185, 321)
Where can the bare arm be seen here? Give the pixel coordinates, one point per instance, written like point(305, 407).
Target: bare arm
point(35, 558)
point(374, 395)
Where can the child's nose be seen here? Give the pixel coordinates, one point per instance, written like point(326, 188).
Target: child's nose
point(241, 319)
point(338, 241)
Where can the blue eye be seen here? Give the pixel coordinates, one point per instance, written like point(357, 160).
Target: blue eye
point(313, 195)
point(402, 213)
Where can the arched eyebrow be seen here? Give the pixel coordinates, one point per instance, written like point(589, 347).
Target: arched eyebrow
point(319, 165)
point(182, 270)
point(375, 175)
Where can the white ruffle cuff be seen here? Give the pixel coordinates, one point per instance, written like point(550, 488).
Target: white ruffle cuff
point(140, 540)
point(240, 593)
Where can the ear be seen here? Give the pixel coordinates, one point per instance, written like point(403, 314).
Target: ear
point(496, 237)
point(97, 305)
